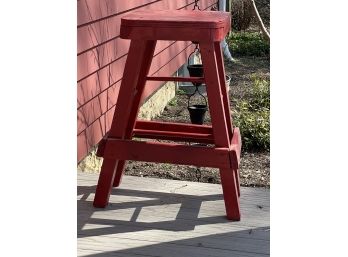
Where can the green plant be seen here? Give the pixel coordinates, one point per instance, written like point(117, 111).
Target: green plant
point(180, 92)
point(248, 44)
point(173, 102)
point(251, 115)
point(260, 93)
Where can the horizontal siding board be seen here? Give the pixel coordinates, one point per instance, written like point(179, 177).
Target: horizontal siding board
point(166, 64)
point(113, 94)
point(97, 58)
point(97, 33)
point(101, 59)
point(92, 86)
point(151, 86)
point(93, 61)
point(91, 111)
point(103, 54)
point(82, 146)
point(91, 136)
point(101, 31)
point(89, 88)
point(91, 10)
point(94, 10)
point(96, 131)
point(88, 114)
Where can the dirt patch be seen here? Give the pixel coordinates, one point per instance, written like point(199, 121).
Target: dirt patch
point(254, 171)
point(254, 168)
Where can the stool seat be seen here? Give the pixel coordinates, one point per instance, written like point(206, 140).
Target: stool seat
point(177, 25)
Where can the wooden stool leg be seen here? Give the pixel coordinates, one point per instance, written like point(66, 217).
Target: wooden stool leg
point(220, 123)
point(145, 67)
point(230, 190)
point(136, 68)
point(104, 186)
point(214, 92)
point(226, 99)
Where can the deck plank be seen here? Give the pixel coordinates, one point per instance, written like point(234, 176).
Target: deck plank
point(159, 217)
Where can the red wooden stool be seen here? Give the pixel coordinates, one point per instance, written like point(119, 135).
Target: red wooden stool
point(144, 28)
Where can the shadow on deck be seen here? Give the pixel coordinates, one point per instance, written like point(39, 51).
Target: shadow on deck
point(155, 217)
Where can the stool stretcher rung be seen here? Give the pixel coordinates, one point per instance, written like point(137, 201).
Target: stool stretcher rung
point(167, 153)
point(167, 131)
point(174, 136)
point(174, 131)
point(177, 79)
point(173, 126)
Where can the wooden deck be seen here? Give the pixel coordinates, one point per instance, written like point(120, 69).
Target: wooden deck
point(159, 217)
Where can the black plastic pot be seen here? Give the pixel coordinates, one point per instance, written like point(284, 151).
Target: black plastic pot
point(195, 70)
point(197, 113)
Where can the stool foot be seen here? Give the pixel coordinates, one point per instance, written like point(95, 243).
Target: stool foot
point(106, 178)
point(119, 173)
point(230, 190)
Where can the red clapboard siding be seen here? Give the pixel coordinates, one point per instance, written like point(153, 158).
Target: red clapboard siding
point(96, 129)
point(103, 30)
point(87, 92)
point(95, 106)
point(93, 10)
point(89, 112)
point(82, 145)
point(101, 58)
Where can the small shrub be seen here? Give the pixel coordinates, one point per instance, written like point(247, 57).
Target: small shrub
point(260, 93)
point(248, 44)
point(251, 115)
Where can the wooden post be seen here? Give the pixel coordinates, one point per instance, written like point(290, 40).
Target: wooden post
point(229, 9)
